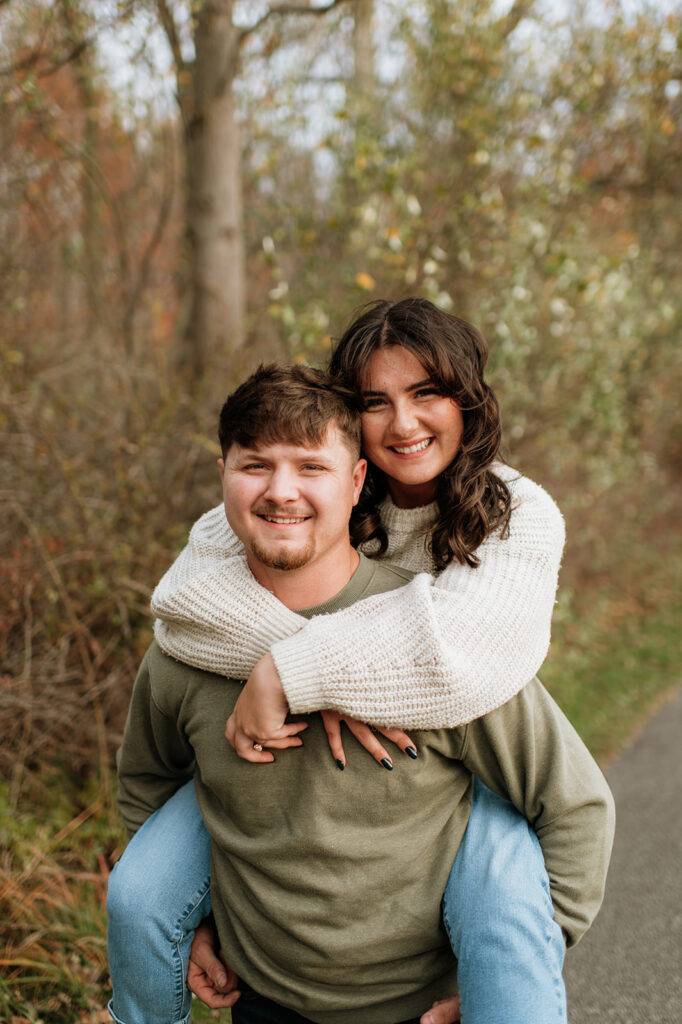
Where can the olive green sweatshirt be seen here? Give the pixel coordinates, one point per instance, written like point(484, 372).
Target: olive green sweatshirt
point(326, 885)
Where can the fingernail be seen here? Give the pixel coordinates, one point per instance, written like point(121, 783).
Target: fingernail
point(387, 764)
point(411, 752)
point(339, 764)
point(220, 980)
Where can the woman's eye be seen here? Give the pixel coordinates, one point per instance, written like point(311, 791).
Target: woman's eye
point(373, 403)
point(427, 392)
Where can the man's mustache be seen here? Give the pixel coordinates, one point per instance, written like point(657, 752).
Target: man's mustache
point(283, 513)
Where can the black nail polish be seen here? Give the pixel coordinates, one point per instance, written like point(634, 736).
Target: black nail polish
point(387, 764)
point(339, 764)
point(411, 752)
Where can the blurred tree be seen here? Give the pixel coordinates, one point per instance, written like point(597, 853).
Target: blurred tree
point(216, 322)
point(363, 47)
point(78, 30)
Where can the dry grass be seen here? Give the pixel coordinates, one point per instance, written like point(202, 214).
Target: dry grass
point(53, 877)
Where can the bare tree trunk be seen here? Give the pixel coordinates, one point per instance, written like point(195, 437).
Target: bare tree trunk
point(215, 324)
point(360, 103)
point(76, 27)
point(215, 328)
point(363, 79)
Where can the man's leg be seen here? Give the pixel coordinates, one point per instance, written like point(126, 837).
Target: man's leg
point(499, 917)
point(158, 893)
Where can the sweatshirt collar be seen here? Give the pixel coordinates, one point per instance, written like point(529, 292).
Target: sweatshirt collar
point(352, 592)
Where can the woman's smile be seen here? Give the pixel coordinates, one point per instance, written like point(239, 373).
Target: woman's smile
point(413, 448)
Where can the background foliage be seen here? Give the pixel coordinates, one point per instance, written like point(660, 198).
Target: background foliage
point(518, 164)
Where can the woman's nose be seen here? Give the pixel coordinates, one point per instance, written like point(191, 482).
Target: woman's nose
point(404, 420)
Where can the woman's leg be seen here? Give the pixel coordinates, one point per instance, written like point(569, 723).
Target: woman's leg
point(499, 917)
point(158, 893)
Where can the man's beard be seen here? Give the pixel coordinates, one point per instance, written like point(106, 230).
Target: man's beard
point(283, 559)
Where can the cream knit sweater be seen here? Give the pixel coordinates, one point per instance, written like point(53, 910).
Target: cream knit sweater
point(436, 653)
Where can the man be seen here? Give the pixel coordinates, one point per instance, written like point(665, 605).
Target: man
point(326, 886)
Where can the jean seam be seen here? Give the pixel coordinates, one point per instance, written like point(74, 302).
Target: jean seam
point(180, 984)
point(448, 929)
point(559, 989)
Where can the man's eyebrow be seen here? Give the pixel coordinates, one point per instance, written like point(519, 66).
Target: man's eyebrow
point(316, 455)
point(305, 454)
point(410, 387)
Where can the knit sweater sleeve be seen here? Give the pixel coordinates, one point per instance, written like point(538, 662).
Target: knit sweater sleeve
point(210, 611)
point(440, 651)
point(437, 653)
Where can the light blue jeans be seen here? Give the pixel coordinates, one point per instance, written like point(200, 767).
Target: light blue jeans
point(496, 909)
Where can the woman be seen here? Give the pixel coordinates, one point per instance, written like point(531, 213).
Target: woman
point(445, 649)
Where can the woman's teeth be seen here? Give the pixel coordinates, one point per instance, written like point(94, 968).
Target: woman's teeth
point(413, 447)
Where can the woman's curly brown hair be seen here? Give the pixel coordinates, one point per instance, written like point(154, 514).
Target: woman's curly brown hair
point(472, 500)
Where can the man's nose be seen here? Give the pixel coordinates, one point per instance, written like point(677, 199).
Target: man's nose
point(282, 486)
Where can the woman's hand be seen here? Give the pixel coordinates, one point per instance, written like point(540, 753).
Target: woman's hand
point(259, 720)
point(208, 976)
point(259, 716)
point(445, 1011)
point(366, 735)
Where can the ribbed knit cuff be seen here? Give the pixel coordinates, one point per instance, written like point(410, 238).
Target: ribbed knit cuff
point(296, 662)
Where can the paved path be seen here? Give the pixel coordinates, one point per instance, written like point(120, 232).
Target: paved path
point(628, 968)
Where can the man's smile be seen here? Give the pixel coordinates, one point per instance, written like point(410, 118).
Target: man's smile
point(282, 518)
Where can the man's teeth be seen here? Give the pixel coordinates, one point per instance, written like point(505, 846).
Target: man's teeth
point(413, 447)
point(285, 519)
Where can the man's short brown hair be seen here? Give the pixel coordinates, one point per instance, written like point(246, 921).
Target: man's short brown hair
point(294, 404)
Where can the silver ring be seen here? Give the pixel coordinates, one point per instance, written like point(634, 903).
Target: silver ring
point(258, 746)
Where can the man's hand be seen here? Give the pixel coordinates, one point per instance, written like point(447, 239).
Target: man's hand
point(259, 716)
point(445, 1011)
point(208, 976)
point(366, 735)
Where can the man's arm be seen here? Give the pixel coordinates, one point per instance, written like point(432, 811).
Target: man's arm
point(528, 752)
point(155, 758)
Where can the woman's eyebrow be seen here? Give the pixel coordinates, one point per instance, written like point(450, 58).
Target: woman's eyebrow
point(410, 387)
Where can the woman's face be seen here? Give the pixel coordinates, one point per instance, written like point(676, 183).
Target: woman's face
point(409, 430)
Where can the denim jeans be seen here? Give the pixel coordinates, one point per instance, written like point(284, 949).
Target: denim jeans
point(498, 914)
point(159, 892)
point(496, 909)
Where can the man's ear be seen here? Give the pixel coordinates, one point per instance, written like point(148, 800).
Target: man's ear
point(359, 474)
point(221, 469)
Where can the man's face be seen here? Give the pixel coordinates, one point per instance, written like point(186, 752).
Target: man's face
point(289, 504)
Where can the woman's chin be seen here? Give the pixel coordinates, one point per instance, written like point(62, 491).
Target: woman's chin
point(411, 493)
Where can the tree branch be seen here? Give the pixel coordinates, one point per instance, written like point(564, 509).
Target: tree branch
point(519, 10)
point(284, 9)
point(165, 208)
point(172, 34)
point(54, 65)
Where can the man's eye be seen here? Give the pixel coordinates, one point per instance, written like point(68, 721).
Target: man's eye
point(312, 466)
point(253, 465)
